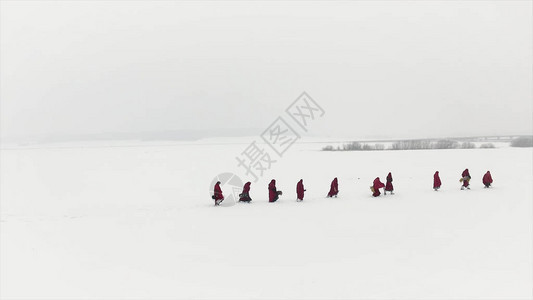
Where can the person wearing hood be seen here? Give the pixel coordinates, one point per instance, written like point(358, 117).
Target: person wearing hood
point(376, 186)
point(465, 179)
point(300, 190)
point(388, 186)
point(273, 193)
point(218, 197)
point(334, 189)
point(487, 179)
point(436, 181)
point(245, 195)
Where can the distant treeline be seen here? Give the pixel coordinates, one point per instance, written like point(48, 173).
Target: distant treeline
point(407, 145)
point(525, 141)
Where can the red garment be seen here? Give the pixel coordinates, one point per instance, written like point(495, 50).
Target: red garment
point(388, 186)
point(487, 178)
point(377, 185)
point(272, 192)
point(218, 192)
point(334, 190)
point(300, 189)
point(246, 188)
point(436, 180)
point(466, 178)
point(245, 195)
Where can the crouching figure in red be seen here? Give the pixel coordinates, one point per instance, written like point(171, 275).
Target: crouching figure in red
point(218, 197)
point(487, 179)
point(436, 181)
point(388, 186)
point(300, 190)
point(465, 179)
point(273, 193)
point(334, 190)
point(376, 186)
point(245, 195)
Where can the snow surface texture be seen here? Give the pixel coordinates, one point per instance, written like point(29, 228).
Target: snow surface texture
point(136, 220)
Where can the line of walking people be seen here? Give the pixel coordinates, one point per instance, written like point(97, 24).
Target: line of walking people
point(274, 193)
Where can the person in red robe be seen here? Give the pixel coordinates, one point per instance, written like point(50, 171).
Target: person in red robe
point(218, 197)
point(300, 190)
point(245, 195)
point(334, 189)
point(487, 179)
point(436, 181)
point(376, 186)
point(465, 179)
point(273, 194)
point(388, 186)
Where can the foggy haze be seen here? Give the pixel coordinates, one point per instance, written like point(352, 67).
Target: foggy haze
point(382, 69)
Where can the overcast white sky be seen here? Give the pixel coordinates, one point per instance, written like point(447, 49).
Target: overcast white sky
point(382, 68)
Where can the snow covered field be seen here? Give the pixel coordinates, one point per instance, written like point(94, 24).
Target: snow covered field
point(135, 220)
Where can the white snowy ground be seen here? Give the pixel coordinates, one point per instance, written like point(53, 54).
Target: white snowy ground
point(134, 220)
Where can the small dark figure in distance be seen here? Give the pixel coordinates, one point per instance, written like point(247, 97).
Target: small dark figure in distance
point(218, 197)
point(487, 179)
point(388, 186)
point(376, 186)
point(436, 181)
point(273, 193)
point(300, 190)
point(465, 179)
point(334, 190)
point(245, 195)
